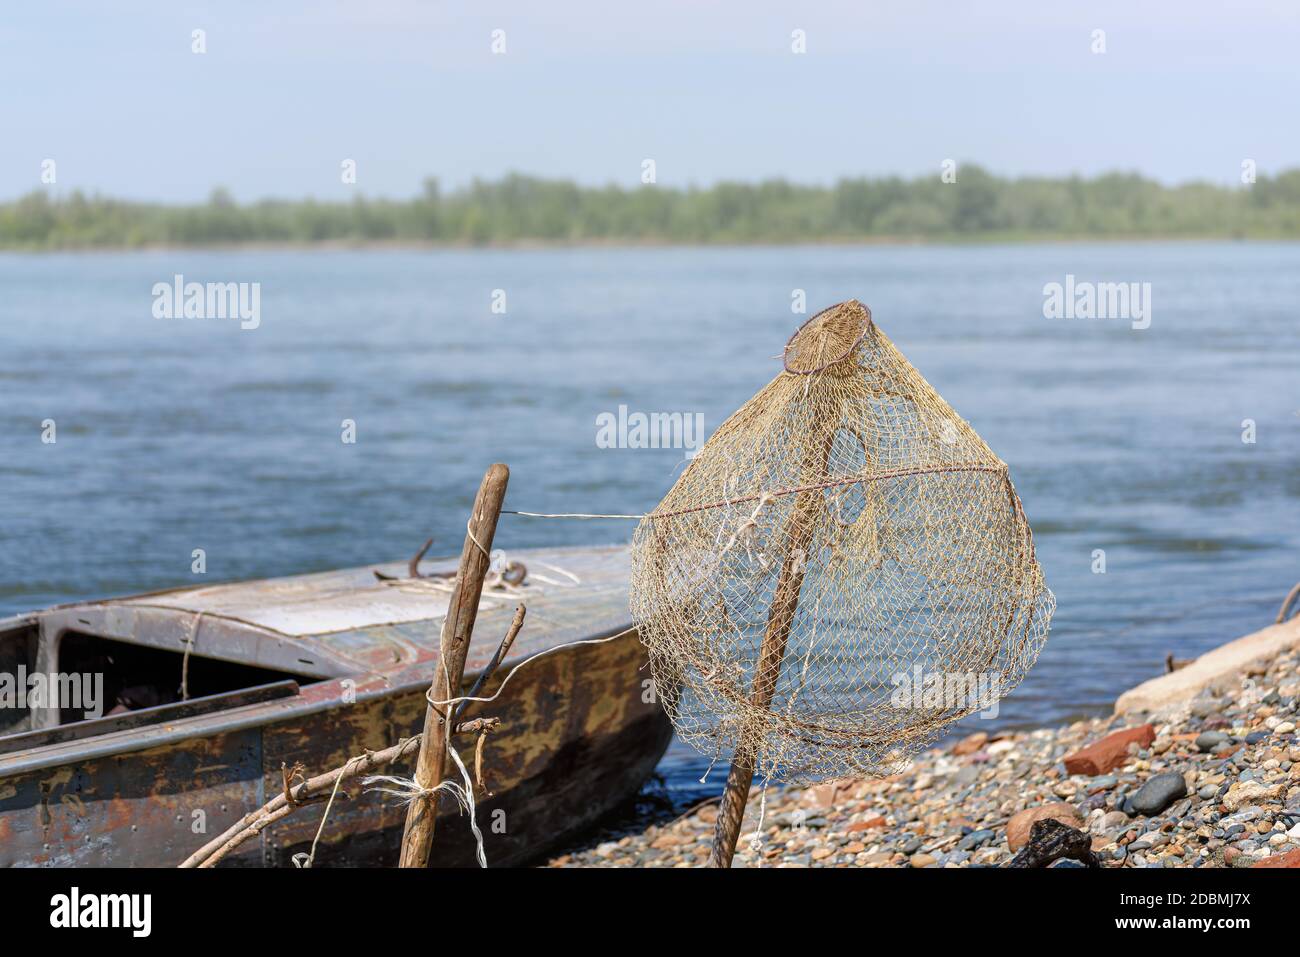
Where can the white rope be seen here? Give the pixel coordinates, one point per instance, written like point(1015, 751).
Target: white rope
point(507, 511)
point(469, 801)
point(469, 530)
point(305, 861)
point(749, 527)
point(556, 568)
point(756, 840)
point(709, 769)
point(517, 668)
point(407, 791)
point(185, 661)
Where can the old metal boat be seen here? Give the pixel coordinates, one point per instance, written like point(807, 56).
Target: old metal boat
point(314, 669)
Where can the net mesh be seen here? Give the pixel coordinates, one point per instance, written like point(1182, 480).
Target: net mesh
point(841, 571)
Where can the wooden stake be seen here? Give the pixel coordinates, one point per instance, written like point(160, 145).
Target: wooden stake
point(785, 601)
point(457, 629)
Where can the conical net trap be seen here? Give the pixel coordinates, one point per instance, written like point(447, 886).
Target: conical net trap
point(841, 571)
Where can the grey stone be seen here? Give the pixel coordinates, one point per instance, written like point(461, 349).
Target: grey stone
point(1204, 707)
point(974, 839)
point(1158, 793)
point(1113, 819)
point(1209, 740)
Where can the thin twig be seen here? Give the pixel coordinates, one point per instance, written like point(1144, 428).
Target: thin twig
point(287, 775)
point(476, 726)
point(502, 650)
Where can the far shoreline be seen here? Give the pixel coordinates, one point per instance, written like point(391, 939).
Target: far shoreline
point(540, 245)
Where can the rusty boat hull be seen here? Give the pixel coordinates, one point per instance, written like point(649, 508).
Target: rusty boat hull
point(311, 671)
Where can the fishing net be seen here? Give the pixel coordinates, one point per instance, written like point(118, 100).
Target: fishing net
point(841, 571)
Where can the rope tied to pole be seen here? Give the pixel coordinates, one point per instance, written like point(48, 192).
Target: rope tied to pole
point(407, 791)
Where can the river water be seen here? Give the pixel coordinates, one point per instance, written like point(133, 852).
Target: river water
point(175, 434)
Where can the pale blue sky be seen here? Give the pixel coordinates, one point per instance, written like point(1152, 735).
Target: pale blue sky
point(709, 90)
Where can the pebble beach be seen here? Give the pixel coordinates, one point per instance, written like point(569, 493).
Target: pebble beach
point(1211, 782)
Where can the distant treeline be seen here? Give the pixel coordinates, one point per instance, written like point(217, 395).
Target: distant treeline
point(519, 209)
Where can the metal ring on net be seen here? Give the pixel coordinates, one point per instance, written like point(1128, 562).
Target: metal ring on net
point(863, 320)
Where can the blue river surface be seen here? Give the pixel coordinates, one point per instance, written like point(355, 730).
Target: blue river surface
point(174, 434)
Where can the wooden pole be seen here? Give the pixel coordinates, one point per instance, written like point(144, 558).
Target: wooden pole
point(785, 601)
point(457, 629)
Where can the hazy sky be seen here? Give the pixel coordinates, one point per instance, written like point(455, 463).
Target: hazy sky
point(586, 90)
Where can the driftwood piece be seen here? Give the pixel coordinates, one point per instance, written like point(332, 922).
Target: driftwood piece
point(1050, 840)
point(457, 629)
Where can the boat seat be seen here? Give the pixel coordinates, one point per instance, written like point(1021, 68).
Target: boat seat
point(175, 711)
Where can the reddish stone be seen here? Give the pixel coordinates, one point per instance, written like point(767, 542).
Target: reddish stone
point(826, 795)
point(1289, 859)
point(1104, 756)
point(666, 841)
point(868, 824)
point(970, 744)
point(1019, 826)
